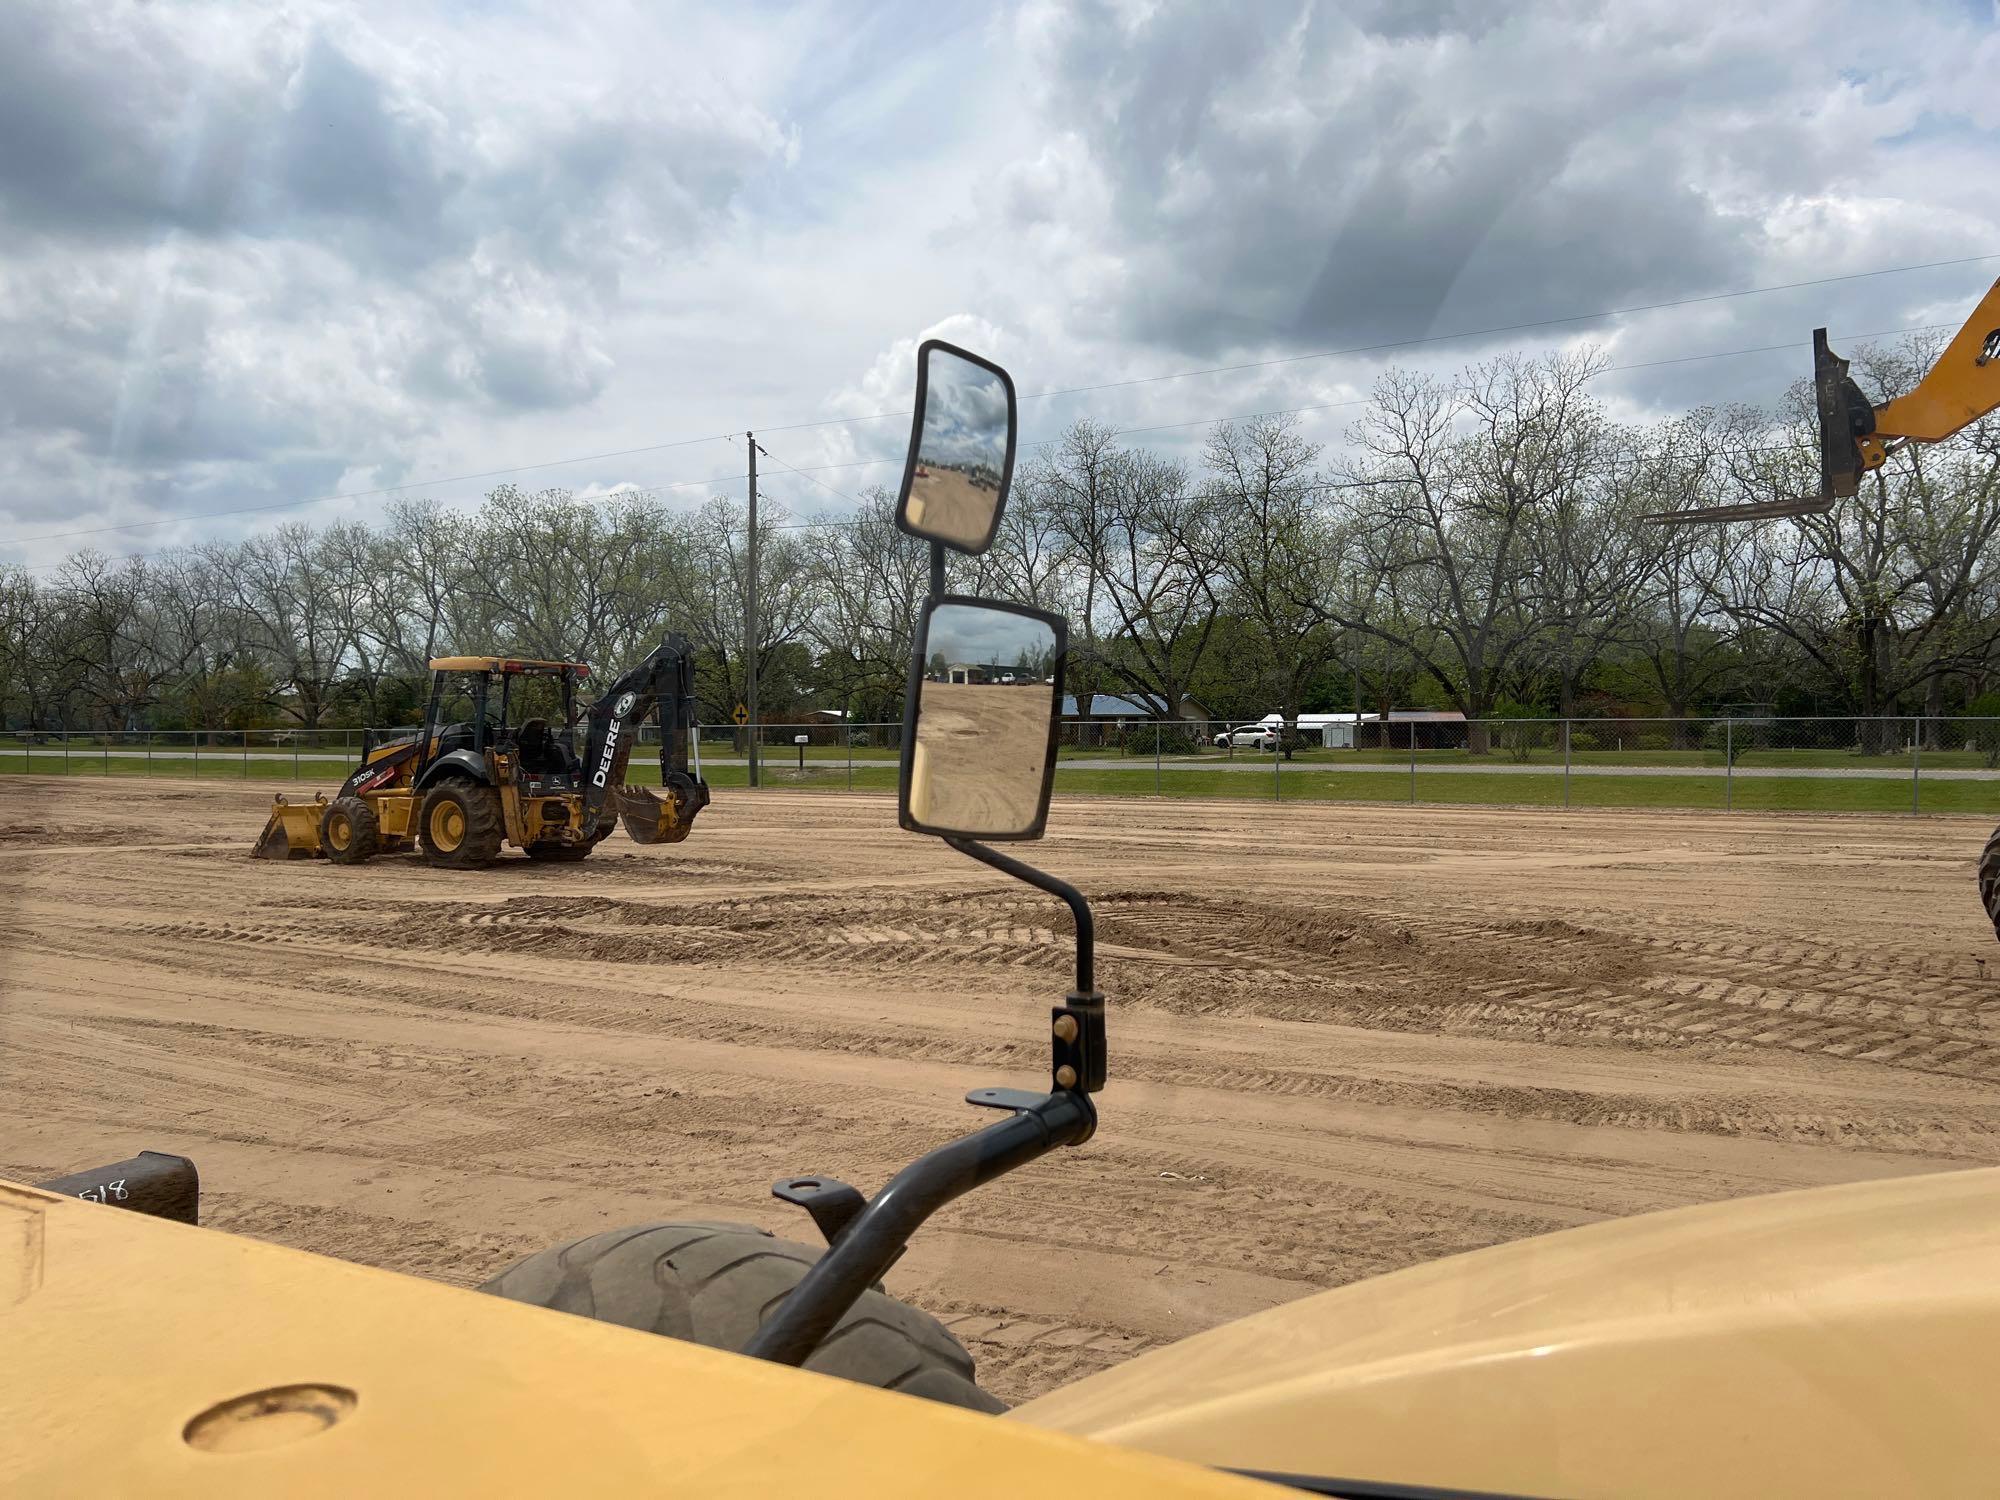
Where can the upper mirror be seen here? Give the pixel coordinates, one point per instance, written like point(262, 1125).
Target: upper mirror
point(980, 726)
point(961, 449)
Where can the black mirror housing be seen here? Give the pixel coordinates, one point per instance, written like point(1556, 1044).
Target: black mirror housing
point(960, 465)
point(979, 732)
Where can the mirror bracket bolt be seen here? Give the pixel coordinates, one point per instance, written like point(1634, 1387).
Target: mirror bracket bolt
point(1076, 1031)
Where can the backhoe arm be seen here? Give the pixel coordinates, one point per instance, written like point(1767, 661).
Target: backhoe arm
point(1962, 387)
point(1856, 437)
point(664, 681)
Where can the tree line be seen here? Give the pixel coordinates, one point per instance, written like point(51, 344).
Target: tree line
point(1476, 544)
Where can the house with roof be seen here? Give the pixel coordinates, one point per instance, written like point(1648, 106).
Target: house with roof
point(1103, 718)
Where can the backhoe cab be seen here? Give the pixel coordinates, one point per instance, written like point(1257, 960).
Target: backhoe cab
point(486, 769)
point(1856, 437)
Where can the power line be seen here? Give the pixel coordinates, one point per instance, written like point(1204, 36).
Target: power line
point(1040, 395)
point(804, 474)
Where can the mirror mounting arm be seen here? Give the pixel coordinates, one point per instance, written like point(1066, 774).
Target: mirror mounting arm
point(1077, 1025)
point(1086, 928)
point(869, 1239)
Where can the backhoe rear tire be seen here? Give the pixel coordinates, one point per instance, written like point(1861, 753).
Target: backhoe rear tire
point(460, 826)
point(715, 1283)
point(1989, 881)
point(349, 831)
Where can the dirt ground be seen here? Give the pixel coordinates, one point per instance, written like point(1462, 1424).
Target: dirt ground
point(1345, 1039)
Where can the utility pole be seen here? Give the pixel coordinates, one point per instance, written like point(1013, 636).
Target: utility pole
point(750, 613)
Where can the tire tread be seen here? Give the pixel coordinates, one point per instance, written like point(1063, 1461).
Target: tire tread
point(716, 1283)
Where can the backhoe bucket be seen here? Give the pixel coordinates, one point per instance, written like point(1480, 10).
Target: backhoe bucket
point(292, 832)
point(654, 819)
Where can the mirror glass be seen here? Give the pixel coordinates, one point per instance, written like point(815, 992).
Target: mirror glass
point(981, 759)
point(964, 438)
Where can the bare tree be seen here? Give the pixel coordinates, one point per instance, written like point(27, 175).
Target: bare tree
point(1681, 631)
point(112, 646)
point(871, 579)
point(1457, 475)
point(288, 586)
point(36, 656)
point(1138, 530)
point(1891, 590)
point(1268, 537)
point(708, 594)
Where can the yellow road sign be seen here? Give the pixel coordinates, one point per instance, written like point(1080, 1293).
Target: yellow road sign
point(742, 714)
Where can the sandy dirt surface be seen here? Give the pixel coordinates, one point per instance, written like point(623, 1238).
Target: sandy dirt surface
point(1345, 1039)
point(946, 503)
point(982, 757)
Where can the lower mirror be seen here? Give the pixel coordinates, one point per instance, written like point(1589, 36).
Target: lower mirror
point(979, 725)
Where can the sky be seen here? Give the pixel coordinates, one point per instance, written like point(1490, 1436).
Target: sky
point(259, 256)
point(965, 415)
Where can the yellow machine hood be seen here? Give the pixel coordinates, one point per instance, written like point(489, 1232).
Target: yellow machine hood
point(157, 1359)
point(1841, 1341)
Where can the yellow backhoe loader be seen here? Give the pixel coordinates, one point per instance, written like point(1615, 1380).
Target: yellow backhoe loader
point(460, 790)
point(1839, 1342)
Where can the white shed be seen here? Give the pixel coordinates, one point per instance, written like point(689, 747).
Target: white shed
point(1335, 731)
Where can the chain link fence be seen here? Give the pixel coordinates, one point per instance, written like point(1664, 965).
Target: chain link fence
point(1749, 763)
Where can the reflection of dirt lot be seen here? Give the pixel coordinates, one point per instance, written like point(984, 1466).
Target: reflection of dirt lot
point(982, 751)
point(1344, 1039)
point(946, 501)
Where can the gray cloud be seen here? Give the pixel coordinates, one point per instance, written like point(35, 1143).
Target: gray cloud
point(1329, 174)
point(245, 245)
point(260, 254)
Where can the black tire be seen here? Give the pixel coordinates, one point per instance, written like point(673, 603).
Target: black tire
point(1989, 881)
point(714, 1283)
point(459, 825)
point(349, 831)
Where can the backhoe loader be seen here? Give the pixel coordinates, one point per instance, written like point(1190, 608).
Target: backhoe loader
point(1834, 1342)
point(461, 789)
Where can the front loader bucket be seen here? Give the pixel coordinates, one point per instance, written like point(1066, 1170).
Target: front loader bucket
point(291, 832)
point(653, 819)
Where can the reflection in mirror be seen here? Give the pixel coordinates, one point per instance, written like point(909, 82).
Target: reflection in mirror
point(964, 441)
point(981, 756)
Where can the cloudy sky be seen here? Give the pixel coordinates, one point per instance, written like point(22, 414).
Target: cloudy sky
point(259, 255)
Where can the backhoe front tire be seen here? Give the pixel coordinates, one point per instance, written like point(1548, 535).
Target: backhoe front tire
point(349, 831)
point(459, 825)
point(714, 1284)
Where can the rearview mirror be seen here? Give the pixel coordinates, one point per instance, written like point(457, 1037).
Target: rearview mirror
point(961, 458)
point(979, 726)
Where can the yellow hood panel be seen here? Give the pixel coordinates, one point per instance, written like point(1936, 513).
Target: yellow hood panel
point(148, 1358)
point(1841, 1341)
